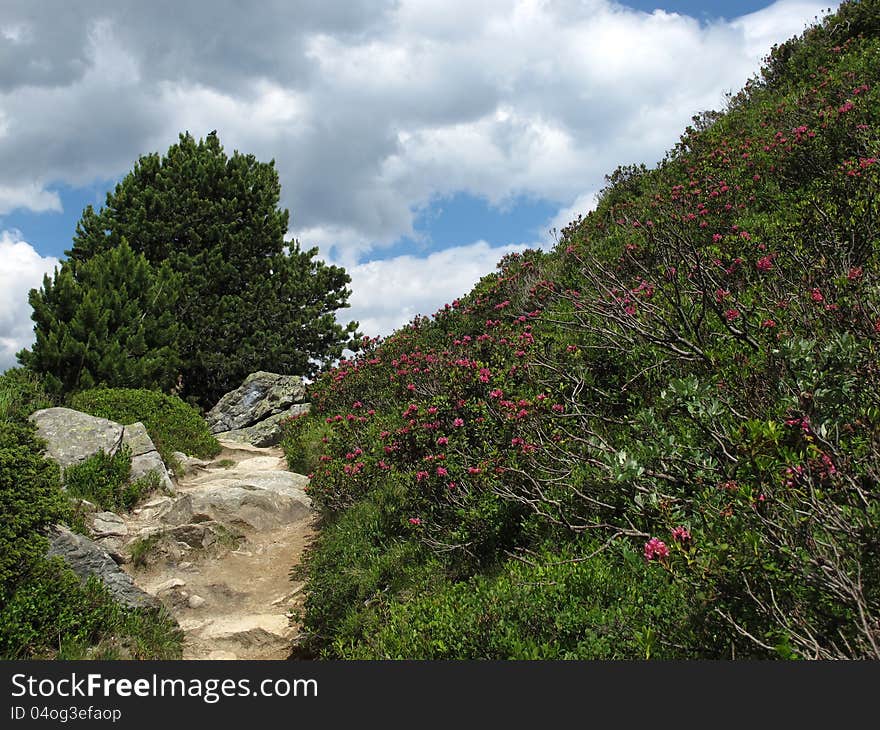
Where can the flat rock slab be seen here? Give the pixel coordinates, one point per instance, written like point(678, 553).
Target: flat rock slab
point(106, 524)
point(259, 502)
point(240, 636)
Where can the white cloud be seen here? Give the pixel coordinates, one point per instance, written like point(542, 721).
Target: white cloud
point(21, 269)
point(582, 205)
point(389, 293)
point(776, 23)
point(372, 109)
point(29, 195)
point(373, 112)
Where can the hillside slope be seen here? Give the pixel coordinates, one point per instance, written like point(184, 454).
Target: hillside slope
point(661, 439)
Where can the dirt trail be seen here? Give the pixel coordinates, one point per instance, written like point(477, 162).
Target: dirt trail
point(234, 599)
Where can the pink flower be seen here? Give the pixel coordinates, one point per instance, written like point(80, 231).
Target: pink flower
point(656, 549)
point(681, 534)
point(731, 314)
point(473, 470)
point(816, 295)
point(422, 475)
point(854, 273)
point(497, 393)
point(442, 441)
point(458, 423)
point(716, 237)
point(442, 471)
point(558, 408)
point(765, 263)
point(415, 521)
point(768, 323)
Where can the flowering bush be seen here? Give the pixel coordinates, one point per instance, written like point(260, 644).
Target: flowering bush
point(684, 390)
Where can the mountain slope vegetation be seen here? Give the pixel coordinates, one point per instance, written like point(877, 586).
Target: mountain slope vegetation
point(659, 439)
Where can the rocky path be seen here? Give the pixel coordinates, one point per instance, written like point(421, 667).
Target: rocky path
point(219, 553)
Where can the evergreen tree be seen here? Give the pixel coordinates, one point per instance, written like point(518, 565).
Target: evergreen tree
point(105, 321)
point(248, 300)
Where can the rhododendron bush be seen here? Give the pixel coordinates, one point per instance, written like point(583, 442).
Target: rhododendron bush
point(660, 439)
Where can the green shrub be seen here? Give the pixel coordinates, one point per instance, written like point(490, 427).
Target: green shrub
point(555, 606)
point(52, 614)
point(303, 442)
point(356, 562)
point(172, 424)
point(30, 500)
point(21, 393)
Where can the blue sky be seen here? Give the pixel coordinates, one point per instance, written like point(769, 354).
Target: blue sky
point(413, 148)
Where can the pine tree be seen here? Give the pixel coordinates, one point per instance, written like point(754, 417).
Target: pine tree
point(105, 321)
point(248, 300)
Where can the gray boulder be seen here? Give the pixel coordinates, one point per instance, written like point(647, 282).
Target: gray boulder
point(72, 437)
point(261, 395)
point(86, 559)
point(145, 458)
point(267, 432)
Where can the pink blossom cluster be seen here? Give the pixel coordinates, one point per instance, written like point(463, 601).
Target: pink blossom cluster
point(656, 549)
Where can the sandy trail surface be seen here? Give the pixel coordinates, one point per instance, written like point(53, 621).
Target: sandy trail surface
point(233, 599)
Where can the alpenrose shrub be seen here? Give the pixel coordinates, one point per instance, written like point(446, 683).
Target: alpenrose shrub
point(550, 605)
point(690, 379)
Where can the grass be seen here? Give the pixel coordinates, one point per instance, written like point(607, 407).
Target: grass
point(140, 549)
point(104, 480)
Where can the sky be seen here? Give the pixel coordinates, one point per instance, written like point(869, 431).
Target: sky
point(417, 141)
